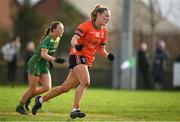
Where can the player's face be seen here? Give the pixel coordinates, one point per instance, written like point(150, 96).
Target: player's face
point(59, 30)
point(104, 17)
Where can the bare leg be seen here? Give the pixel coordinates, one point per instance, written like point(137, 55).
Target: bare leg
point(68, 84)
point(45, 80)
point(82, 73)
point(33, 81)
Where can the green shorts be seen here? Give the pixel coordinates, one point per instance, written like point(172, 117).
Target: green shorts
point(38, 69)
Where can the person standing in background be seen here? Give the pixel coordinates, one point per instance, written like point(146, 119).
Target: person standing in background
point(10, 53)
point(160, 57)
point(143, 67)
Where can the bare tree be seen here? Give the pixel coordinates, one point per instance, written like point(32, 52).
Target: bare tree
point(175, 13)
point(150, 18)
point(156, 16)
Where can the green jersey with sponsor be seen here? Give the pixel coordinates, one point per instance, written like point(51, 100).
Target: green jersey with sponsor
point(38, 65)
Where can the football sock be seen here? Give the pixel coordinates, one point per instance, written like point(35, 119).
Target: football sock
point(41, 100)
point(75, 108)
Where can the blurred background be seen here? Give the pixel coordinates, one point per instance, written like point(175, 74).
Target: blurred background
point(144, 36)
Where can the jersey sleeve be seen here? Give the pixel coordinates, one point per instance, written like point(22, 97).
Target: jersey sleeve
point(45, 43)
point(104, 37)
point(82, 29)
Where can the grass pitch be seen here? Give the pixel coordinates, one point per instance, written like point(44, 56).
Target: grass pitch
point(98, 104)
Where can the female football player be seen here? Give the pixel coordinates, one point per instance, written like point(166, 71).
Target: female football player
point(38, 65)
point(89, 37)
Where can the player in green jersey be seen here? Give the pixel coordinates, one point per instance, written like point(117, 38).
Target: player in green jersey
point(38, 71)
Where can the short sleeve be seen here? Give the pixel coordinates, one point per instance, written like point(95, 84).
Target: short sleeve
point(45, 43)
point(82, 29)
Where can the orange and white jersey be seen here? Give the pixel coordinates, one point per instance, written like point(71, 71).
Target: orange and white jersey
point(91, 38)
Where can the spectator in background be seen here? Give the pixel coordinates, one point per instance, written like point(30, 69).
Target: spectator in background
point(10, 53)
point(30, 48)
point(160, 57)
point(143, 67)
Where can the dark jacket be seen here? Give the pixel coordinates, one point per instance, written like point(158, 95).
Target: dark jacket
point(143, 65)
point(160, 57)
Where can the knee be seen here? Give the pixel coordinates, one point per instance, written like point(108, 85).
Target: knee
point(65, 89)
point(85, 83)
point(32, 88)
point(47, 88)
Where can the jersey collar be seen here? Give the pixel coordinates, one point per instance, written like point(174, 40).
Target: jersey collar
point(55, 40)
point(94, 24)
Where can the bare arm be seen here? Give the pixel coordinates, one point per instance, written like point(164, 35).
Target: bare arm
point(102, 51)
point(74, 40)
point(45, 55)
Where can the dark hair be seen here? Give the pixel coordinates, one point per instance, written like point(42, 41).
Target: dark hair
point(98, 9)
point(50, 29)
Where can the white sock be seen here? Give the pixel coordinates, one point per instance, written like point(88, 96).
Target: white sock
point(41, 100)
point(75, 109)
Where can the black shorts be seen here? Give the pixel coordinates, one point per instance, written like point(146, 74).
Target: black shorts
point(75, 60)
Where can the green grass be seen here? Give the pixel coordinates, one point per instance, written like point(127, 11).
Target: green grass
point(99, 105)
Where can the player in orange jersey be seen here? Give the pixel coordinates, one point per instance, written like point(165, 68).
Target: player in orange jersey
point(88, 38)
